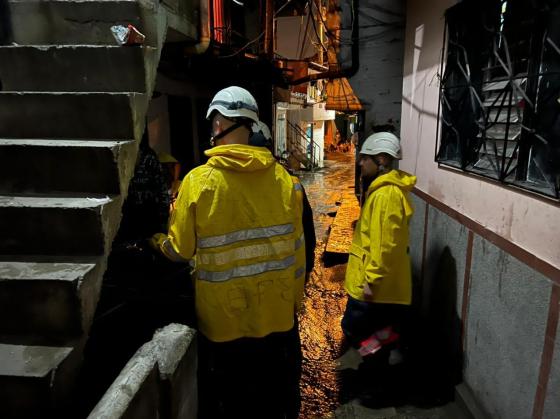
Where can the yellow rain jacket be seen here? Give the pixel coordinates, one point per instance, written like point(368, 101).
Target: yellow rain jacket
point(240, 217)
point(379, 251)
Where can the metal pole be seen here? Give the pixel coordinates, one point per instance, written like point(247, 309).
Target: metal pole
point(269, 29)
point(311, 146)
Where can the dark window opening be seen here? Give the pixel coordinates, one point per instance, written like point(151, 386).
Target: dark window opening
point(500, 92)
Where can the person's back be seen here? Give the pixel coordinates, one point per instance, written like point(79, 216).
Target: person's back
point(240, 217)
point(248, 221)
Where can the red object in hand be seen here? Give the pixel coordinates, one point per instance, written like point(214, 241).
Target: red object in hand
point(369, 346)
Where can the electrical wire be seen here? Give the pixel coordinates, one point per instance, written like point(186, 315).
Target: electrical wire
point(343, 41)
point(311, 3)
point(282, 8)
point(304, 37)
point(244, 47)
point(248, 44)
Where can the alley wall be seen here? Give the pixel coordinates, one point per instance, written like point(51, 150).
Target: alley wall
point(526, 220)
point(378, 82)
point(492, 251)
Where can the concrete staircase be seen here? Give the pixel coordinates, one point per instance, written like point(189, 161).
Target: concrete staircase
point(72, 109)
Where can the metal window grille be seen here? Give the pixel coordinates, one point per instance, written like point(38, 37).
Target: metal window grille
point(499, 110)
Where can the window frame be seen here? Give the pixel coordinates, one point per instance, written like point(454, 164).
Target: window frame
point(513, 170)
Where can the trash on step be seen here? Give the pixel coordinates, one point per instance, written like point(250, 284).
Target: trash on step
point(135, 37)
point(127, 35)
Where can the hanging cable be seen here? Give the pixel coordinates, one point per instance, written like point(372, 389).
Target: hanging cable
point(248, 44)
point(304, 38)
point(311, 3)
point(244, 47)
point(346, 72)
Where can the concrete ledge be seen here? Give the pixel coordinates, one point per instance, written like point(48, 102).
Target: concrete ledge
point(57, 299)
point(70, 115)
point(342, 229)
point(177, 359)
point(73, 22)
point(33, 379)
point(135, 392)
point(76, 68)
point(50, 226)
point(158, 381)
point(51, 166)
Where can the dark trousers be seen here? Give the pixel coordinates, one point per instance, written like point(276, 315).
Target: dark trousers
point(361, 319)
point(250, 377)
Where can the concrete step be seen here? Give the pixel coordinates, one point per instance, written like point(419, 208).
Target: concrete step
point(46, 301)
point(38, 22)
point(51, 166)
point(81, 68)
point(37, 225)
point(71, 115)
point(34, 379)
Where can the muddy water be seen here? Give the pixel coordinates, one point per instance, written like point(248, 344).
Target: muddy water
point(325, 297)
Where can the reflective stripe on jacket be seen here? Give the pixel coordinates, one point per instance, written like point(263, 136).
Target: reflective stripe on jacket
point(379, 251)
point(240, 217)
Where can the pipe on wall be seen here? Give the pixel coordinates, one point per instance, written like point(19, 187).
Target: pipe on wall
point(205, 34)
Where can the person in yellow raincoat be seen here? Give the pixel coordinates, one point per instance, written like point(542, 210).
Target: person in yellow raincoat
point(239, 216)
point(378, 276)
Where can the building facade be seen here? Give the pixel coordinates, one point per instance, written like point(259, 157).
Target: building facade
point(490, 243)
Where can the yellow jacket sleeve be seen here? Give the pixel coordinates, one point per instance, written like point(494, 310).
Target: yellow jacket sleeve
point(180, 243)
point(386, 218)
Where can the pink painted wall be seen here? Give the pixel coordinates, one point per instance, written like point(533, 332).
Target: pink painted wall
point(530, 222)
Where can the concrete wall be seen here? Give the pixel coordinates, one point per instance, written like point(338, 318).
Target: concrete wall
point(552, 401)
point(505, 306)
point(507, 315)
point(159, 381)
point(498, 248)
point(446, 246)
point(378, 83)
point(525, 220)
point(416, 229)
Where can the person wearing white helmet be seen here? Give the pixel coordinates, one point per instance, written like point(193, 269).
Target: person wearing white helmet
point(239, 216)
point(378, 276)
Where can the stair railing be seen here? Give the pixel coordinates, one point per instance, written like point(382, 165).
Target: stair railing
point(303, 147)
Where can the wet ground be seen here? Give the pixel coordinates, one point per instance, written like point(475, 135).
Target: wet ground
point(325, 297)
point(327, 393)
point(326, 187)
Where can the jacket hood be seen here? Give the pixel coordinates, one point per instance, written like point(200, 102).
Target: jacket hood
point(240, 157)
point(403, 180)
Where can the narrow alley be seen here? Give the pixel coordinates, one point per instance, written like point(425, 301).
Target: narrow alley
point(325, 297)
point(156, 242)
point(327, 392)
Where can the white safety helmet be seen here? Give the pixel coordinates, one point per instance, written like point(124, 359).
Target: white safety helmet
point(234, 102)
point(382, 142)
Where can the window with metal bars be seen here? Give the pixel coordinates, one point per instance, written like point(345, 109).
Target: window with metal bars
point(499, 108)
